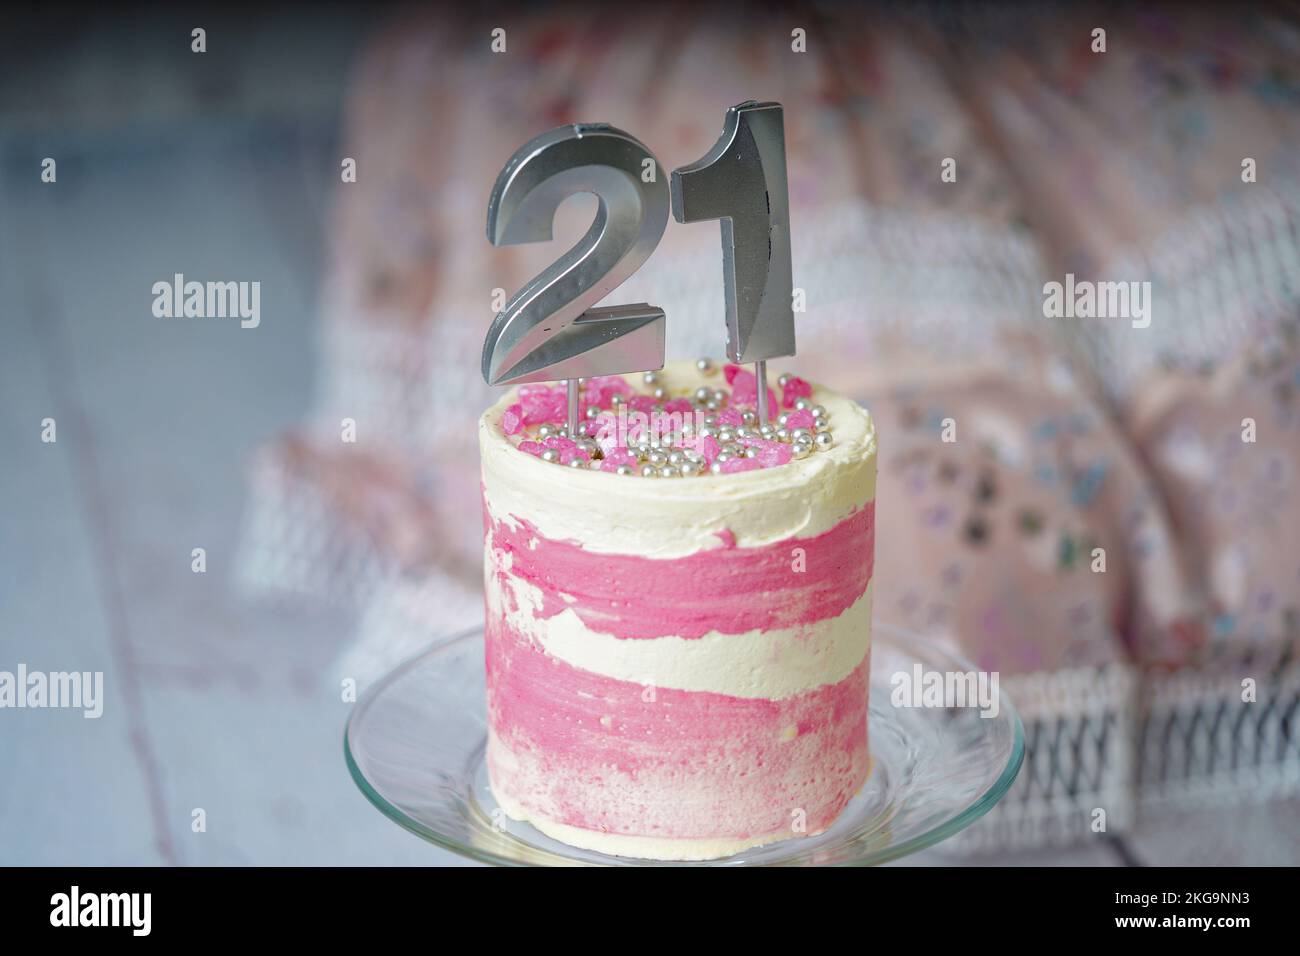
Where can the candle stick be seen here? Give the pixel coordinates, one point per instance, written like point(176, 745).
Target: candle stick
point(741, 182)
point(571, 393)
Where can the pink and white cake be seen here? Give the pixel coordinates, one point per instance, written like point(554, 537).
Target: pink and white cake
point(677, 661)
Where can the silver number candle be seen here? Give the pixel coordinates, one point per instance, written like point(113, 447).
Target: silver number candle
point(550, 329)
point(741, 181)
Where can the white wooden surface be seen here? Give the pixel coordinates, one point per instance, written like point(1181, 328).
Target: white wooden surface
point(211, 703)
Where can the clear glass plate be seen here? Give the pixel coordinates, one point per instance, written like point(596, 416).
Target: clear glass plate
point(415, 746)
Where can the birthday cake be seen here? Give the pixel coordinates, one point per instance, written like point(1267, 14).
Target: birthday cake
point(678, 610)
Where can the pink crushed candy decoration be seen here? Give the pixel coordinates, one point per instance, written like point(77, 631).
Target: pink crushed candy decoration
point(744, 386)
point(708, 447)
point(532, 447)
point(735, 465)
point(605, 432)
point(730, 417)
point(799, 419)
point(642, 403)
point(770, 453)
point(795, 388)
point(512, 422)
point(543, 404)
point(676, 406)
point(617, 457)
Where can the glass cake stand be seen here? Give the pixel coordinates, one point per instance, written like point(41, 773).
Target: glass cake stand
point(415, 746)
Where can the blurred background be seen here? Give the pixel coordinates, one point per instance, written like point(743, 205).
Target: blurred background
point(328, 560)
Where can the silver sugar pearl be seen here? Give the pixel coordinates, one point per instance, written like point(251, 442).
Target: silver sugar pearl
point(625, 470)
point(703, 394)
point(819, 411)
point(783, 419)
point(704, 365)
point(649, 471)
point(799, 433)
point(711, 420)
point(801, 449)
point(707, 431)
point(784, 380)
point(716, 467)
point(592, 411)
point(712, 405)
point(550, 455)
point(751, 452)
point(782, 434)
point(675, 458)
point(749, 418)
point(722, 456)
point(802, 404)
point(766, 431)
point(726, 435)
point(658, 458)
point(577, 462)
point(669, 471)
point(545, 431)
point(650, 377)
point(660, 393)
point(719, 395)
point(824, 440)
point(616, 399)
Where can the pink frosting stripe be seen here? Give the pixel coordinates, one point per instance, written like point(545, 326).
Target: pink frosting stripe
point(727, 589)
point(603, 754)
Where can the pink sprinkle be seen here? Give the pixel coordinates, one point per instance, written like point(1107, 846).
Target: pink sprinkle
point(605, 432)
point(773, 453)
point(618, 456)
point(542, 404)
point(678, 405)
point(601, 389)
point(744, 387)
point(799, 419)
point(708, 447)
point(512, 422)
point(795, 388)
point(731, 371)
point(610, 383)
point(734, 465)
point(532, 447)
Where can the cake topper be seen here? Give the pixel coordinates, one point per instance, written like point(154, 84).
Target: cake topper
point(741, 182)
point(550, 329)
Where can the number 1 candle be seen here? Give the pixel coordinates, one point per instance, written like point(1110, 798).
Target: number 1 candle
point(741, 182)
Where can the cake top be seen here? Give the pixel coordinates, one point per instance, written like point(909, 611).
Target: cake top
point(667, 517)
point(684, 422)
